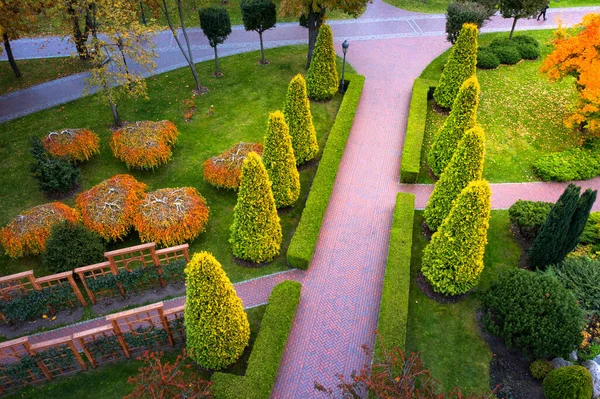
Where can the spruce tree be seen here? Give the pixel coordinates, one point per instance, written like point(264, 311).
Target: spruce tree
point(322, 78)
point(278, 158)
point(461, 64)
point(256, 230)
point(217, 328)
point(550, 241)
point(299, 120)
point(462, 118)
point(465, 166)
point(453, 259)
point(579, 220)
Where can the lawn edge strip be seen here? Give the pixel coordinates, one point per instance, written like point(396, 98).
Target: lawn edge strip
point(304, 241)
point(263, 364)
point(415, 130)
point(393, 310)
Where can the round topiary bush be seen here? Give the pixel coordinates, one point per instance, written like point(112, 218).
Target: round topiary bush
point(76, 145)
point(502, 42)
point(540, 368)
point(486, 59)
point(524, 39)
point(70, 246)
point(27, 233)
point(171, 216)
point(570, 382)
point(144, 145)
point(508, 55)
point(224, 170)
point(529, 51)
point(109, 207)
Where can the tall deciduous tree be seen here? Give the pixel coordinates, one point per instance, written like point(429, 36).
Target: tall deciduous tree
point(16, 18)
point(519, 9)
point(259, 16)
point(313, 13)
point(299, 120)
point(216, 26)
point(576, 53)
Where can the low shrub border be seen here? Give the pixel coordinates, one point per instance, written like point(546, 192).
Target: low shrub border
point(393, 311)
point(303, 243)
point(263, 363)
point(415, 130)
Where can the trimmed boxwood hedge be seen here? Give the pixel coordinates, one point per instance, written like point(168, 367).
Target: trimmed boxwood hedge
point(393, 312)
point(573, 164)
point(263, 363)
point(415, 130)
point(303, 243)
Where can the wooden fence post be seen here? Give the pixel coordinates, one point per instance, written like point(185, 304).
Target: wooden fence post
point(39, 363)
point(120, 338)
point(165, 324)
point(76, 289)
point(71, 345)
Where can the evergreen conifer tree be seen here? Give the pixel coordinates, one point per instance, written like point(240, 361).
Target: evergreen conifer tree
point(299, 120)
point(217, 328)
point(322, 78)
point(465, 166)
point(579, 220)
point(278, 158)
point(256, 230)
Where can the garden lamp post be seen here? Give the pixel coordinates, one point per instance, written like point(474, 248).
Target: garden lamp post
point(345, 46)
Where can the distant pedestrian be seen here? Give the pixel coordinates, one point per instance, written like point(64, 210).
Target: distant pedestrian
point(543, 12)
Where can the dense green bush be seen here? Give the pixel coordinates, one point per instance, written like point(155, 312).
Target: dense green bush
point(540, 369)
point(300, 121)
point(322, 78)
point(502, 42)
point(54, 175)
point(570, 382)
point(529, 216)
point(534, 313)
point(486, 59)
point(591, 233)
point(70, 246)
point(459, 67)
point(581, 275)
point(415, 130)
point(303, 242)
point(268, 348)
point(529, 51)
point(524, 39)
point(463, 12)
point(573, 164)
point(508, 55)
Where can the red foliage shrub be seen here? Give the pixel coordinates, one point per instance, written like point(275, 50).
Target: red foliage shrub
point(224, 170)
point(77, 145)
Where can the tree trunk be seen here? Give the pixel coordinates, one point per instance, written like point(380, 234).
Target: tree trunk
point(143, 13)
point(216, 62)
point(79, 38)
point(512, 30)
point(115, 112)
point(314, 21)
point(199, 87)
point(9, 54)
point(262, 49)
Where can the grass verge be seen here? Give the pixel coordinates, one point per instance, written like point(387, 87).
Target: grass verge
point(440, 6)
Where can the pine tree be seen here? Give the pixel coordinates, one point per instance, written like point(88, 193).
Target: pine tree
point(279, 160)
point(256, 230)
point(216, 325)
point(465, 166)
point(453, 259)
point(462, 118)
point(322, 78)
point(459, 67)
point(299, 120)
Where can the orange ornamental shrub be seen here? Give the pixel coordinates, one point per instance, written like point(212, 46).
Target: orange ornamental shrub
point(144, 145)
point(109, 207)
point(27, 233)
point(77, 145)
point(224, 170)
point(171, 216)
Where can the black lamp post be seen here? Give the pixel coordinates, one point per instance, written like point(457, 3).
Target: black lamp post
point(345, 46)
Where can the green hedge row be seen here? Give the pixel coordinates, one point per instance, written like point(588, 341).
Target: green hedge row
point(263, 363)
point(303, 243)
point(572, 164)
point(393, 312)
point(415, 130)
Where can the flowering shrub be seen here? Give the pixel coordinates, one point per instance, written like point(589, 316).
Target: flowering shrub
point(144, 145)
point(77, 145)
point(27, 233)
point(109, 207)
point(224, 170)
point(171, 216)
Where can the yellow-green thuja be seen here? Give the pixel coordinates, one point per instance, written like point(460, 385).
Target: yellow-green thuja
point(216, 325)
point(461, 64)
point(299, 120)
point(453, 260)
point(278, 158)
point(462, 118)
point(256, 230)
point(322, 78)
point(465, 166)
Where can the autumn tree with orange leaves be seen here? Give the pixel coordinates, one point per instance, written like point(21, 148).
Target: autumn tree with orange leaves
point(577, 53)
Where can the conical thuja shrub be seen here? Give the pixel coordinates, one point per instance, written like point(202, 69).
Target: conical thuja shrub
point(299, 120)
point(322, 78)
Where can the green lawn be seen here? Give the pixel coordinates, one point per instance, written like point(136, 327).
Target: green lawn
point(448, 336)
point(440, 6)
point(242, 100)
point(110, 382)
point(521, 112)
point(38, 71)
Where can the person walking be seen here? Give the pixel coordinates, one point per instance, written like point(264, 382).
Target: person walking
point(543, 11)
